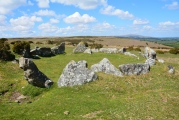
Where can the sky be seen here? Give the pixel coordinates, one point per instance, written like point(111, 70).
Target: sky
point(42, 18)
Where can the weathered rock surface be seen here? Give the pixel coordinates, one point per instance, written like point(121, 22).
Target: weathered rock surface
point(33, 75)
point(80, 48)
point(171, 69)
point(94, 50)
point(122, 50)
point(134, 69)
point(76, 73)
point(109, 50)
point(161, 61)
point(60, 49)
point(150, 61)
point(43, 52)
point(130, 54)
point(88, 51)
point(149, 53)
point(106, 67)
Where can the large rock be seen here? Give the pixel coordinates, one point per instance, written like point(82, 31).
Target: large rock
point(123, 50)
point(94, 50)
point(106, 67)
point(43, 52)
point(60, 49)
point(80, 48)
point(26, 53)
point(109, 50)
point(150, 61)
point(76, 73)
point(149, 53)
point(171, 69)
point(130, 54)
point(134, 69)
point(88, 51)
point(33, 75)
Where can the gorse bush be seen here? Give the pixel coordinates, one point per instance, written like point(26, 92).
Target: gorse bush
point(160, 52)
point(20, 46)
point(174, 51)
point(96, 46)
point(5, 53)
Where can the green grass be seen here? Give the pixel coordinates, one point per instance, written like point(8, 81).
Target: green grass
point(146, 97)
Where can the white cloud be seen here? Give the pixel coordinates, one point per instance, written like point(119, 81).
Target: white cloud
point(140, 22)
point(30, 3)
point(110, 10)
point(24, 23)
point(76, 18)
point(169, 26)
point(45, 13)
point(43, 3)
point(47, 27)
point(6, 6)
point(147, 27)
point(2, 19)
point(54, 21)
point(172, 6)
point(83, 4)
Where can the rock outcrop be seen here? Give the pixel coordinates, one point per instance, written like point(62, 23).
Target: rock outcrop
point(150, 61)
point(76, 73)
point(134, 69)
point(109, 50)
point(43, 52)
point(106, 67)
point(80, 48)
point(88, 51)
point(60, 49)
point(149, 53)
point(33, 75)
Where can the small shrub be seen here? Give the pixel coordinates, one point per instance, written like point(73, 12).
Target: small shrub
point(31, 42)
point(137, 49)
point(20, 46)
point(50, 42)
point(160, 52)
point(39, 42)
point(130, 48)
point(96, 46)
point(174, 51)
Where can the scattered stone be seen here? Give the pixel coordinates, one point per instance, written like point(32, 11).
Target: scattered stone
point(88, 51)
point(26, 54)
point(60, 49)
point(149, 53)
point(171, 69)
point(109, 50)
point(94, 50)
point(76, 73)
point(122, 50)
point(66, 112)
point(43, 52)
point(150, 61)
point(134, 69)
point(106, 67)
point(33, 75)
point(80, 48)
point(130, 54)
point(161, 61)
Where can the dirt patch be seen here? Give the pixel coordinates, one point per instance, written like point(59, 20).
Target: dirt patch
point(18, 97)
point(92, 114)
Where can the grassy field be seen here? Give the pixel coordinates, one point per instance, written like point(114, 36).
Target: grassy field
point(153, 96)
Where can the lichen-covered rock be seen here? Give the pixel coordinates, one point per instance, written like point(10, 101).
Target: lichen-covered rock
point(134, 69)
point(171, 69)
point(43, 52)
point(149, 53)
point(106, 67)
point(33, 75)
point(109, 50)
point(88, 51)
point(80, 48)
point(150, 61)
point(76, 73)
point(60, 49)
point(94, 50)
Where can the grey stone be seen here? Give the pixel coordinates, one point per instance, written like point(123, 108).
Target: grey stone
point(80, 48)
point(26, 54)
point(149, 53)
point(94, 50)
point(43, 52)
point(106, 67)
point(88, 51)
point(161, 61)
point(109, 50)
point(76, 73)
point(60, 49)
point(33, 75)
point(134, 69)
point(122, 50)
point(150, 61)
point(171, 69)
point(130, 54)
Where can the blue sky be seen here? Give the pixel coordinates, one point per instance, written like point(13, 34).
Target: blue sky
point(38, 18)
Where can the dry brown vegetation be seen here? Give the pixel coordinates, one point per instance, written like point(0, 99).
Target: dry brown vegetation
point(105, 41)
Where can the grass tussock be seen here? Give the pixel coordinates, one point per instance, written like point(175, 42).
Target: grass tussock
point(151, 96)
